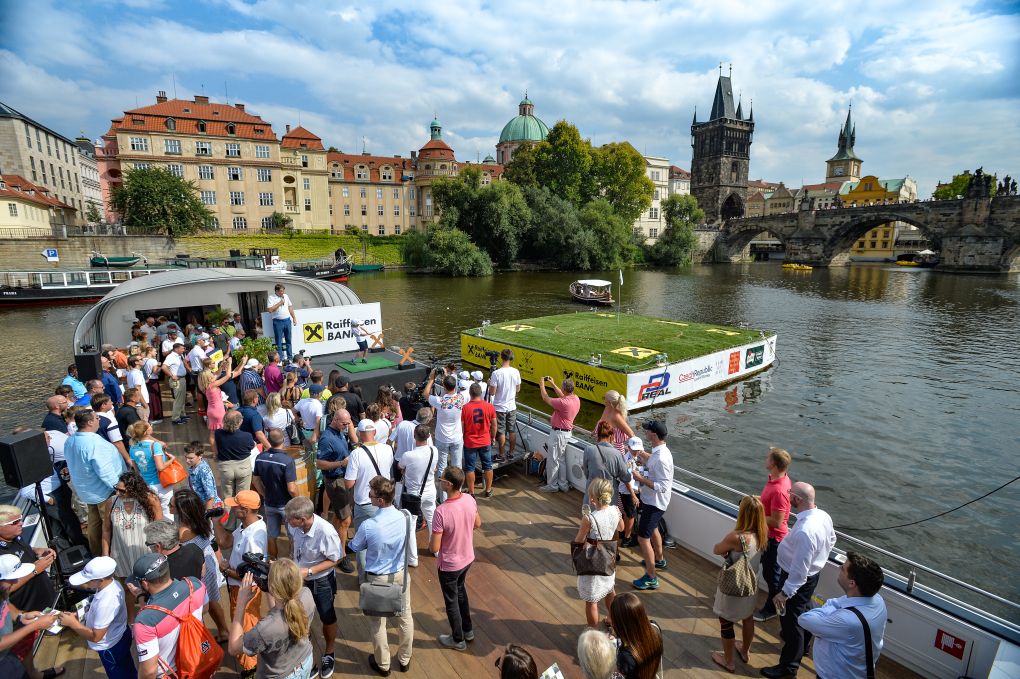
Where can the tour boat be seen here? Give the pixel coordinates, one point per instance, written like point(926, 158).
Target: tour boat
point(100, 260)
point(60, 286)
point(793, 266)
point(592, 291)
point(925, 259)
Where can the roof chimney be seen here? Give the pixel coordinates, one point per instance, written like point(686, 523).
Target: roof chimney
point(288, 129)
point(160, 96)
point(414, 156)
point(240, 107)
point(201, 99)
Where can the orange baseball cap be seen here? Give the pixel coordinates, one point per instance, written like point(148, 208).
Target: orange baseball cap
point(249, 499)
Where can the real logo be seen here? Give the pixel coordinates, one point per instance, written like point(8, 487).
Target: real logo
point(658, 385)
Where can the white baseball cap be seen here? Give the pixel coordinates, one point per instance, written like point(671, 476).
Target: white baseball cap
point(464, 384)
point(252, 363)
point(635, 443)
point(11, 568)
point(477, 375)
point(464, 375)
point(366, 425)
point(96, 569)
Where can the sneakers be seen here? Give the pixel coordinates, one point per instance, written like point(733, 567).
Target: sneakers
point(645, 582)
point(179, 421)
point(364, 360)
point(345, 564)
point(629, 542)
point(660, 565)
point(469, 636)
point(326, 666)
point(448, 641)
point(549, 489)
point(764, 615)
point(156, 422)
point(488, 493)
point(354, 361)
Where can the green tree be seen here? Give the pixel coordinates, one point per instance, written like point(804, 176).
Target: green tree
point(603, 240)
point(499, 218)
point(563, 163)
point(158, 201)
point(92, 214)
point(281, 224)
point(445, 250)
point(553, 219)
point(618, 175)
point(958, 187)
point(677, 243)
point(521, 168)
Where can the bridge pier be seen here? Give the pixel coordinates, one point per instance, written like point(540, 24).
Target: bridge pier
point(973, 253)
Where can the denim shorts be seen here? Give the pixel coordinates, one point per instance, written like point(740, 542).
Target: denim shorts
point(472, 455)
point(274, 521)
point(323, 592)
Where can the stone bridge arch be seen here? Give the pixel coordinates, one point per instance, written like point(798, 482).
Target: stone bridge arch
point(737, 234)
point(841, 237)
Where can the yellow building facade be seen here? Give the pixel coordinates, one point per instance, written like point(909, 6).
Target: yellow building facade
point(305, 186)
point(28, 209)
point(879, 243)
point(370, 193)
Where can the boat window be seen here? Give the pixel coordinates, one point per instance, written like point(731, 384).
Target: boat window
point(76, 278)
point(120, 276)
point(100, 277)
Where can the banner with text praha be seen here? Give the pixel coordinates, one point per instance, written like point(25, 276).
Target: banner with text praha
point(327, 330)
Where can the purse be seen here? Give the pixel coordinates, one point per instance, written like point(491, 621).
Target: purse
point(412, 502)
point(172, 474)
point(594, 557)
point(293, 432)
point(738, 578)
point(386, 599)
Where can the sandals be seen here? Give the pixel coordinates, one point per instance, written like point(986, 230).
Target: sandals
point(719, 659)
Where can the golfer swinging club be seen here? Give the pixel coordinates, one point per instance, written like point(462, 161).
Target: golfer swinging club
point(359, 336)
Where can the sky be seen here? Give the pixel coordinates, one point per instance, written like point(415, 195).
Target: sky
point(933, 84)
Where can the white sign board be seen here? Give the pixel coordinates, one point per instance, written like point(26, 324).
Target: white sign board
point(51, 255)
point(327, 330)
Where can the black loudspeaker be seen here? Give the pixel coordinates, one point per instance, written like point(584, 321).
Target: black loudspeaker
point(89, 367)
point(25, 458)
point(72, 559)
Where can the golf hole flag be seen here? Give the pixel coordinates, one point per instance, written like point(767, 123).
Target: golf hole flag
point(328, 330)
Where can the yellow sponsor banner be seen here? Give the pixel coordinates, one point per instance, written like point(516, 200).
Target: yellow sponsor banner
point(590, 382)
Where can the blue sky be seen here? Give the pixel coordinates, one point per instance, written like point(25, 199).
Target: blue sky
point(934, 85)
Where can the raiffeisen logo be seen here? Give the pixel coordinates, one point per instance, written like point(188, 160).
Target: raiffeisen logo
point(694, 375)
point(476, 350)
point(658, 385)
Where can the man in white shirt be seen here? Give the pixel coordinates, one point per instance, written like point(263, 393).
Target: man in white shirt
point(175, 369)
point(419, 468)
point(167, 345)
point(310, 410)
point(368, 460)
point(281, 310)
point(103, 406)
point(839, 633)
point(198, 353)
point(449, 431)
point(504, 383)
point(105, 624)
point(403, 437)
point(656, 490)
point(802, 555)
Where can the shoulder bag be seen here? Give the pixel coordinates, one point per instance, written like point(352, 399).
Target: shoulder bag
point(869, 657)
point(411, 501)
point(738, 578)
point(372, 458)
point(594, 557)
point(173, 473)
point(386, 599)
point(293, 432)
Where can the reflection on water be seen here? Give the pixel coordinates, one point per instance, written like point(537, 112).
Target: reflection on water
point(896, 390)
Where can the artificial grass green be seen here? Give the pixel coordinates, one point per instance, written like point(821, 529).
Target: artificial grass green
point(578, 335)
point(374, 363)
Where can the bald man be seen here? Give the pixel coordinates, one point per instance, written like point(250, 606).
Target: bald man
point(802, 555)
point(56, 406)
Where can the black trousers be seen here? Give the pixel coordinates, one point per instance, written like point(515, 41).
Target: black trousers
point(63, 520)
point(770, 572)
point(458, 611)
point(795, 638)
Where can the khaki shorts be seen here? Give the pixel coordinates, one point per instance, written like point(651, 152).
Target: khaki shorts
point(339, 497)
point(505, 421)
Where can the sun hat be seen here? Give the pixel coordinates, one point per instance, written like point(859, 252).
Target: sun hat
point(635, 443)
point(252, 363)
point(464, 375)
point(477, 375)
point(96, 569)
point(149, 566)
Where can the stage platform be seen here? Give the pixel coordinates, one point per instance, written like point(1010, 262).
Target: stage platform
point(382, 368)
point(650, 360)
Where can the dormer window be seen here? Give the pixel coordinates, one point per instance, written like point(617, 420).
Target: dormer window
point(231, 129)
point(361, 172)
point(201, 126)
point(171, 125)
point(187, 110)
point(259, 131)
point(137, 121)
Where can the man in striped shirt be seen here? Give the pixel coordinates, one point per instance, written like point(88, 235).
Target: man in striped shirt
point(156, 632)
point(252, 380)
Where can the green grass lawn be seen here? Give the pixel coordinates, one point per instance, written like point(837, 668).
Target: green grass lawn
point(381, 249)
point(578, 335)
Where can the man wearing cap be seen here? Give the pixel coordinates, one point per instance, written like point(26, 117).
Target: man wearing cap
point(275, 479)
point(368, 460)
point(656, 489)
point(449, 431)
point(310, 410)
point(281, 310)
point(175, 369)
point(105, 625)
point(17, 643)
point(331, 458)
point(249, 537)
point(630, 498)
point(315, 548)
point(251, 418)
point(251, 380)
point(220, 340)
point(360, 335)
point(355, 406)
point(156, 632)
point(95, 466)
point(565, 407)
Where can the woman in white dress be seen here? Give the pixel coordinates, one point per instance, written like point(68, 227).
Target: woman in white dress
point(600, 521)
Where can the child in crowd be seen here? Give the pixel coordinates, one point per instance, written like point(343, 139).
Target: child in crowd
point(200, 475)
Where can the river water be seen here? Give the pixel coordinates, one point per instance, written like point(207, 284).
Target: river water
point(896, 390)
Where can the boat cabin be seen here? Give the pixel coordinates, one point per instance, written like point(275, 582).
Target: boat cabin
point(592, 291)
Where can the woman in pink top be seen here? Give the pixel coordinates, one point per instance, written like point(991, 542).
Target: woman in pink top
point(452, 541)
point(210, 386)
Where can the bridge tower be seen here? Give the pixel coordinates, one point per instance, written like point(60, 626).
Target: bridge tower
point(845, 165)
point(721, 155)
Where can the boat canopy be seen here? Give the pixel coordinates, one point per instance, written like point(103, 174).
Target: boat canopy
point(594, 282)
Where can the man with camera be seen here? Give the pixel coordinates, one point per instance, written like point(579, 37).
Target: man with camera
point(315, 548)
point(385, 541)
point(449, 432)
point(504, 384)
point(565, 408)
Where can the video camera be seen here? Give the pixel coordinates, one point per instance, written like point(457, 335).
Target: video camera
point(258, 566)
point(493, 357)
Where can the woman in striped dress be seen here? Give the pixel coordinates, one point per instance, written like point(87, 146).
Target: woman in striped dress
point(194, 528)
point(615, 413)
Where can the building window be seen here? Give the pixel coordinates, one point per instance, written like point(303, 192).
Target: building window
point(379, 210)
point(266, 199)
point(331, 209)
point(308, 204)
point(208, 197)
point(138, 166)
point(58, 151)
point(231, 129)
point(655, 196)
point(307, 183)
point(885, 244)
point(382, 230)
point(653, 233)
point(264, 174)
point(237, 197)
point(364, 192)
point(234, 173)
point(387, 174)
point(261, 150)
point(212, 222)
point(49, 148)
point(202, 148)
point(233, 149)
point(176, 169)
point(32, 161)
point(240, 223)
point(378, 194)
point(12, 208)
point(346, 192)
point(655, 175)
point(396, 210)
point(139, 144)
point(171, 124)
point(61, 170)
point(396, 229)
point(411, 210)
point(201, 126)
point(335, 172)
point(364, 210)
point(396, 194)
point(364, 227)
point(205, 171)
point(267, 222)
point(347, 210)
point(653, 213)
point(412, 193)
point(486, 179)
point(304, 161)
point(361, 172)
point(28, 137)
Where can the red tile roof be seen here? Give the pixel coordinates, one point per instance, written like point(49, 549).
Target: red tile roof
point(348, 161)
point(678, 173)
point(436, 149)
point(299, 138)
point(493, 169)
point(762, 184)
point(19, 187)
point(187, 114)
point(832, 186)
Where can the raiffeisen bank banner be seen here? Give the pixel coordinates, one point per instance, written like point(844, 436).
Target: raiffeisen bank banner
point(329, 330)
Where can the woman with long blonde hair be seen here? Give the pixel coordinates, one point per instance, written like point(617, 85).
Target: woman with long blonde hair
point(280, 640)
point(615, 413)
point(290, 393)
point(600, 520)
point(209, 384)
point(278, 417)
point(749, 536)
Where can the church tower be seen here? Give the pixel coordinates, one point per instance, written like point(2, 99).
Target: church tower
point(845, 165)
point(721, 155)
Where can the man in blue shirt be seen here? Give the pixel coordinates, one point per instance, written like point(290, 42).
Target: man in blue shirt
point(72, 381)
point(331, 459)
point(839, 649)
point(95, 466)
point(275, 479)
point(252, 422)
point(387, 538)
point(111, 385)
point(92, 387)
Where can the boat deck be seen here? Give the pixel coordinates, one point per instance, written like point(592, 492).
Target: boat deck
point(522, 591)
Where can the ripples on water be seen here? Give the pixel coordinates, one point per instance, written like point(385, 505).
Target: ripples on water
point(896, 391)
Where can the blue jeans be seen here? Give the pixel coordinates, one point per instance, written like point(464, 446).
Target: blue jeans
point(323, 593)
point(117, 659)
point(302, 671)
point(450, 453)
point(281, 331)
point(475, 457)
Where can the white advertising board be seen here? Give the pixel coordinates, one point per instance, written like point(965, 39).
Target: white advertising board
point(327, 330)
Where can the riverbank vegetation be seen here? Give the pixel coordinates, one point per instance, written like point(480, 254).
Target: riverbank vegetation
point(299, 246)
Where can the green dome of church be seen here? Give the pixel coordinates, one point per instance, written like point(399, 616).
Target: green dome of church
point(525, 127)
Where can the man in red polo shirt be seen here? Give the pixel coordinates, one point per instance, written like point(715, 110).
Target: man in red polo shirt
point(776, 499)
point(478, 420)
point(565, 407)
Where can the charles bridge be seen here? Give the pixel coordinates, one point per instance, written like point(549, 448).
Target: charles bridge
point(974, 233)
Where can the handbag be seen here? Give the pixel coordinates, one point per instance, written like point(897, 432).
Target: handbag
point(594, 557)
point(172, 474)
point(412, 502)
point(293, 432)
point(386, 599)
point(738, 578)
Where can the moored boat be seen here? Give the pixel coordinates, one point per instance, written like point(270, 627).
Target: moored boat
point(793, 266)
point(592, 291)
point(366, 267)
point(58, 286)
point(100, 260)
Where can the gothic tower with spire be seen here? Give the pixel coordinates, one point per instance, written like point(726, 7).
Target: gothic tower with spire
point(721, 155)
point(845, 165)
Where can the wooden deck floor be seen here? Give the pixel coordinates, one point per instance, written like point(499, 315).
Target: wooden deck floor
point(522, 591)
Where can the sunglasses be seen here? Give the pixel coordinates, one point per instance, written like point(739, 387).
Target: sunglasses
point(13, 522)
point(120, 491)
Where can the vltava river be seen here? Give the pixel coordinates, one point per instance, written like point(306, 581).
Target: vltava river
point(896, 391)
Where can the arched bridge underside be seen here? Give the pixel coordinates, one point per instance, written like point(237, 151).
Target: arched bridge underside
point(973, 234)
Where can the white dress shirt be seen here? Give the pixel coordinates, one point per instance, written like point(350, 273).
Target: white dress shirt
point(839, 635)
point(251, 539)
point(361, 470)
point(660, 473)
point(805, 549)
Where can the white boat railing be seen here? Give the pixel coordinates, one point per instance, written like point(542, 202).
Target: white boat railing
point(60, 279)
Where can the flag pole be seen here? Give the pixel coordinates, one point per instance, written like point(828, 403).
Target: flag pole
point(619, 297)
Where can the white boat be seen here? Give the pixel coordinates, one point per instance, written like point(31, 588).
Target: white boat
point(592, 291)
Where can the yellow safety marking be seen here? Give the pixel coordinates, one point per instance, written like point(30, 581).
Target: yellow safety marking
point(517, 328)
point(635, 352)
point(683, 325)
point(728, 333)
